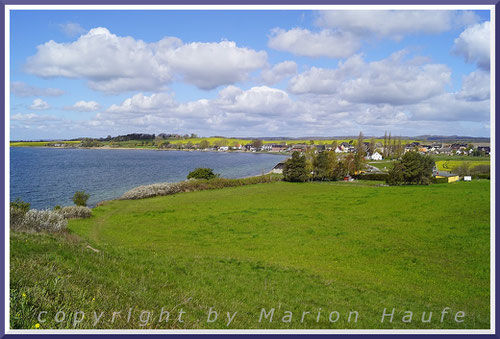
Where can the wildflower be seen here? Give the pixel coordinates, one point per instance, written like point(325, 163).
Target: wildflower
point(24, 295)
point(37, 325)
point(93, 299)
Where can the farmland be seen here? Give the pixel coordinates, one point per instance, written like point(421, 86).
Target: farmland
point(313, 247)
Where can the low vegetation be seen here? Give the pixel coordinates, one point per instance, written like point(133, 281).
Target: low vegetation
point(37, 221)
point(202, 173)
point(75, 212)
point(162, 189)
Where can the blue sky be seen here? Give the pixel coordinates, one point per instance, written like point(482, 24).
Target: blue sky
point(248, 73)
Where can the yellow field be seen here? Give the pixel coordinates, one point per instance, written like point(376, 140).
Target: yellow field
point(448, 165)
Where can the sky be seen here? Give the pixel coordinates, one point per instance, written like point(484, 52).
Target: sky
point(249, 73)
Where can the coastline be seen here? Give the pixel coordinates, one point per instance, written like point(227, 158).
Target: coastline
point(152, 149)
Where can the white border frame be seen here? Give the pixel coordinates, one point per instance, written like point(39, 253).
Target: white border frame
point(8, 8)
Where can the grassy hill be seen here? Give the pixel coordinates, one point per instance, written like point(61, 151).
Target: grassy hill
point(313, 247)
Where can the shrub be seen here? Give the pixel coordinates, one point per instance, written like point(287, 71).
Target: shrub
point(202, 173)
point(439, 180)
point(40, 221)
point(75, 212)
point(18, 209)
point(162, 189)
point(373, 176)
point(482, 176)
point(80, 198)
point(21, 205)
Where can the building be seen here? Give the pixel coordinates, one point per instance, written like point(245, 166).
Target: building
point(278, 148)
point(278, 168)
point(376, 156)
point(443, 174)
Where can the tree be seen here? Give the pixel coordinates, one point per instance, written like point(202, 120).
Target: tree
point(295, 168)
point(463, 169)
point(257, 143)
point(359, 158)
point(80, 198)
point(321, 166)
point(89, 142)
point(413, 168)
point(371, 148)
point(349, 164)
point(204, 144)
point(385, 145)
point(202, 173)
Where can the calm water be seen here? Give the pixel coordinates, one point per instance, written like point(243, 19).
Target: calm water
point(47, 177)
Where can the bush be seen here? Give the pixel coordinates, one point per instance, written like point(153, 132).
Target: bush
point(439, 180)
point(373, 176)
point(202, 173)
point(75, 212)
point(80, 198)
point(21, 205)
point(39, 221)
point(482, 176)
point(18, 209)
point(162, 189)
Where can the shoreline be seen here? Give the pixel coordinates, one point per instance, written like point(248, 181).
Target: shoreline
point(152, 149)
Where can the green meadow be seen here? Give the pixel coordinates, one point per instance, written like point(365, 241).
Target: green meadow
point(300, 249)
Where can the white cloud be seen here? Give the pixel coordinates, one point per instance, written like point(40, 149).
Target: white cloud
point(109, 62)
point(22, 89)
point(39, 104)
point(326, 43)
point(209, 65)
point(71, 29)
point(475, 86)
point(393, 23)
point(393, 80)
point(84, 106)
point(257, 100)
point(279, 72)
point(140, 103)
point(447, 107)
point(119, 64)
point(474, 45)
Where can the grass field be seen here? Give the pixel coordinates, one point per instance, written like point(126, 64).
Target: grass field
point(313, 247)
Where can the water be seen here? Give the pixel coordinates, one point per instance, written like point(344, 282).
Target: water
point(46, 177)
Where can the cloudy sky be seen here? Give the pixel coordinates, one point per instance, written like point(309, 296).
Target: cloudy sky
point(249, 73)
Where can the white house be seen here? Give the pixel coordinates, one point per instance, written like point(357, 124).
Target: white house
point(376, 156)
point(339, 149)
point(223, 148)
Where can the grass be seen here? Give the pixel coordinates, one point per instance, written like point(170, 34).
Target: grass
point(292, 247)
